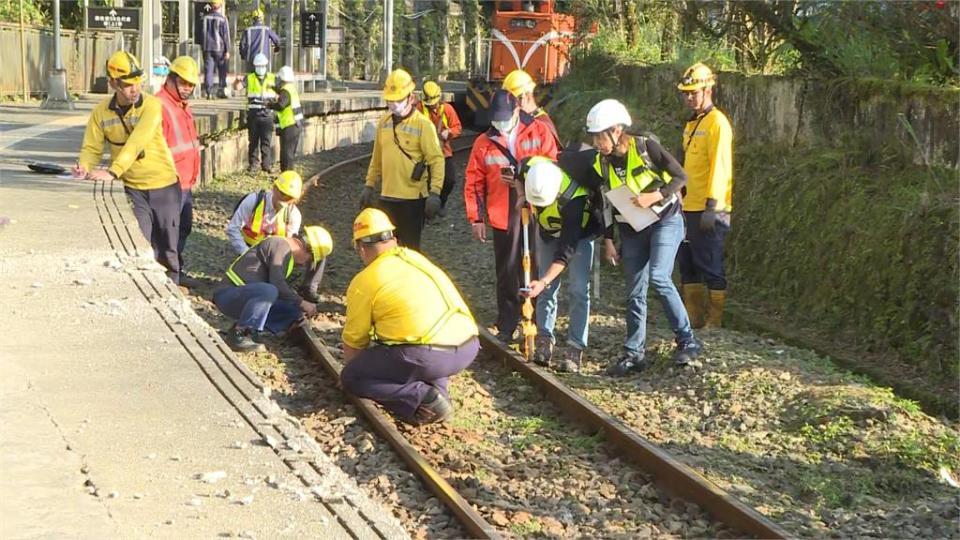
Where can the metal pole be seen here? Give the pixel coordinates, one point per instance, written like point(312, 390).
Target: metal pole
point(57, 96)
point(57, 62)
point(387, 38)
point(183, 8)
point(146, 42)
point(288, 50)
point(23, 56)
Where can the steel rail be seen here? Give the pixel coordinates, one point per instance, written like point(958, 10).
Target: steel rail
point(466, 514)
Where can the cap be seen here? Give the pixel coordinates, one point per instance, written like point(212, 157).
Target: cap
point(502, 106)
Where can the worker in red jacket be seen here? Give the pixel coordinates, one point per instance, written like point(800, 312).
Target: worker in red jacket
point(445, 119)
point(181, 135)
point(493, 195)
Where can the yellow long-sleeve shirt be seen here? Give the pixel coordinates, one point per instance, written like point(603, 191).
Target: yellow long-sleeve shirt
point(391, 168)
point(403, 298)
point(141, 159)
point(708, 161)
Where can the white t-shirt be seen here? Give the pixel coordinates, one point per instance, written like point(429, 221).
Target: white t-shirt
point(244, 216)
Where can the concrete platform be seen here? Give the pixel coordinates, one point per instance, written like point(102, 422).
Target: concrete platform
point(124, 415)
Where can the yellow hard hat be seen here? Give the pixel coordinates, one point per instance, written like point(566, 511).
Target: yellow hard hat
point(216, 2)
point(372, 226)
point(518, 83)
point(124, 67)
point(431, 93)
point(696, 77)
point(290, 184)
point(320, 242)
point(398, 86)
point(258, 14)
point(186, 68)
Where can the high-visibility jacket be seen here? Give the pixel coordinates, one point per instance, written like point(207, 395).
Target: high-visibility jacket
point(548, 217)
point(216, 33)
point(270, 261)
point(238, 280)
point(401, 298)
point(257, 39)
point(390, 165)
point(292, 113)
point(138, 152)
point(541, 115)
point(486, 196)
point(639, 176)
point(254, 219)
point(180, 133)
point(445, 117)
point(708, 161)
point(259, 91)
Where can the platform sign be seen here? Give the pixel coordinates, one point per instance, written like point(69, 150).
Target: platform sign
point(335, 35)
point(113, 19)
point(312, 26)
point(199, 10)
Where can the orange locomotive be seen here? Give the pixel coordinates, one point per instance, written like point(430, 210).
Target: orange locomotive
point(527, 35)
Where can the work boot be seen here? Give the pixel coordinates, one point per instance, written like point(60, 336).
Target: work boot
point(630, 362)
point(221, 94)
point(242, 340)
point(686, 351)
point(715, 312)
point(434, 408)
point(570, 360)
point(544, 351)
point(694, 298)
point(189, 282)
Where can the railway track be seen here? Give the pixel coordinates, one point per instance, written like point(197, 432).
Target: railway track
point(670, 475)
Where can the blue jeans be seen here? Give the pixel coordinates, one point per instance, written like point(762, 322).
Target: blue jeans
point(648, 256)
point(578, 272)
point(256, 306)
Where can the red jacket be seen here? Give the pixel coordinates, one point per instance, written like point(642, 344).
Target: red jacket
point(181, 135)
point(445, 118)
point(483, 189)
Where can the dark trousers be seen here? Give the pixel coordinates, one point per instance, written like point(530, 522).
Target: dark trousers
point(158, 214)
point(289, 140)
point(508, 254)
point(214, 60)
point(260, 140)
point(701, 254)
point(408, 217)
point(398, 377)
point(449, 180)
point(186, 224)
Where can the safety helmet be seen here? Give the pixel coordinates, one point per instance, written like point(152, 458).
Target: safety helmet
point(519, 82)
point(285, 74)
point(216, 3)
point(260, 60)
point(398, 86)
point(186, 68)
point(542, 182)
point(290, 184)
point(320, 242)
point(372, 226)
point(258, 14)
point(124, 67)
point(607, 114)
point(431, 93)
point(696, 77)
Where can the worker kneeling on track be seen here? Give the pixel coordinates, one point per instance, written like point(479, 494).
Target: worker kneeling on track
point(408, 329)
point(257, 294)
point(567, 231)
point(267, 213)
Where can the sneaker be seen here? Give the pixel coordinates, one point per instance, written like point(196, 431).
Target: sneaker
point(435, 407)
point(570, 360)
point(242, 340)
point(628, 363)
point(686, 351)
point(544, 351)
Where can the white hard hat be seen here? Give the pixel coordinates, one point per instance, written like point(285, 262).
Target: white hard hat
point(542, 183)
point(260, 60)
point(286, 74)
point(607, 114)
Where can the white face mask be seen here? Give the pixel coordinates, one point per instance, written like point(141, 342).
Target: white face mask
point(399, 108)
point(260, 70)
point(505, 126)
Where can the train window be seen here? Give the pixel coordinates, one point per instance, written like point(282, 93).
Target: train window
point(523, 23)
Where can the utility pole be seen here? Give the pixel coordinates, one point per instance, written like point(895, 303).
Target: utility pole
point(183, 9)
point(23, 57)
point(288, 49)
point(387, 38)
point(57, 95)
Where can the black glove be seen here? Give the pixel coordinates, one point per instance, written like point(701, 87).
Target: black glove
point(432, 207)
point(367, 197)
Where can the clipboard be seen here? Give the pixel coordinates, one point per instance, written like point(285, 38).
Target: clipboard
point(638, 218)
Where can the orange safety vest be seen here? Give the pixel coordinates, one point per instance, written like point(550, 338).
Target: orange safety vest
point(184, 145)
point(253, 231)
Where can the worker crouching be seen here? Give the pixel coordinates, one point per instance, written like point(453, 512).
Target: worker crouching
point(257, 294)
point(408, 329)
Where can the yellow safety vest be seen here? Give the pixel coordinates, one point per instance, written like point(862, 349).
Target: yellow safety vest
point(293, 113)
point(452, 308)
point(258, 94)
point(640, 174)
point(238, 281)
point(549, 216)
point(253, 231)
